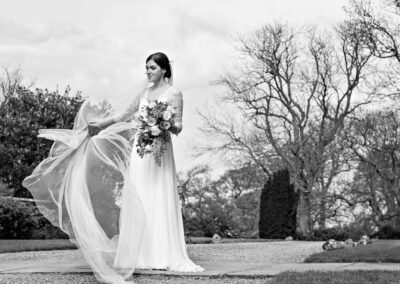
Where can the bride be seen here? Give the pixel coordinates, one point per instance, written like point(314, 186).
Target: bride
point(121, 209)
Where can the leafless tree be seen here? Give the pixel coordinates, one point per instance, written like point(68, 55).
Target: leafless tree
point(380, 21)
point(297, 88)
point(10, 81)
point(236, 138)
point(324, 201)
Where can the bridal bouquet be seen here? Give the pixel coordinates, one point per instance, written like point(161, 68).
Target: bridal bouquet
point(153, 133)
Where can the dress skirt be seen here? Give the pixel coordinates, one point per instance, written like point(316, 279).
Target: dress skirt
point(163, 245)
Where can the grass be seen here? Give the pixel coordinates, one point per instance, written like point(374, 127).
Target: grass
point(334, 277)
point(379, 251)
point(34, 245)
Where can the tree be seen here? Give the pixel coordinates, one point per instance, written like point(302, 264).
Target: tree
point(298, 97)
point(324, 202)
point(243, 187)
point(236, 138)
point(375, 143)
point(10, 81)
point(22, 113)
point(239, 181)
point(248, 213)
point(225, 206)
point(278, 207)
point(379, 21)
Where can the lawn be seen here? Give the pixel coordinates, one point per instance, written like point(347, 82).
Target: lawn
point(33, 245)
point(379, 251)
point(342, 277)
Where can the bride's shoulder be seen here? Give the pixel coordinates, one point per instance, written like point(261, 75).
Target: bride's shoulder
point(175, 92)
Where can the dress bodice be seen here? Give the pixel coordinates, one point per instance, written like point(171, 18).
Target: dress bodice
point(171, 96)
point(144, 100)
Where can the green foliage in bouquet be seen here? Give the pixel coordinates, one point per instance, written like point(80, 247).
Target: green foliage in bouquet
point(22, 114)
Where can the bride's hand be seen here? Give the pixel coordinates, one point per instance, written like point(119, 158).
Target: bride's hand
point(93, 129)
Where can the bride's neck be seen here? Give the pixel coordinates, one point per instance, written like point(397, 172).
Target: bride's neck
point(159, 84)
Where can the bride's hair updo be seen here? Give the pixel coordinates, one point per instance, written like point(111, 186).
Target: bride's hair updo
point(162, 60)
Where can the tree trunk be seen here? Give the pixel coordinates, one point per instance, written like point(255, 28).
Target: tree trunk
point(322, 213)
point(322, 197)
point(304, 215)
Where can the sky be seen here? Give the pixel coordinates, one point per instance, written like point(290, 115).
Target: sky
point(99, 47)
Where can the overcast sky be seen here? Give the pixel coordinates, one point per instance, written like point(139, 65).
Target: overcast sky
point(99, 46)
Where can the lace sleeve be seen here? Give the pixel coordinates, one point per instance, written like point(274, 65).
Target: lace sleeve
point(176, 102)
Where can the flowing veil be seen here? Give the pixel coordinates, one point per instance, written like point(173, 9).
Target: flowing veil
point(84, 188)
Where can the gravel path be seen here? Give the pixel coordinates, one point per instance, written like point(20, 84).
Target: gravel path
point(73, 278)
point(271, 252)
point(268, 252)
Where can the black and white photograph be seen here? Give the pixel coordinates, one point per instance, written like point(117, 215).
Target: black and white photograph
point(206, 142)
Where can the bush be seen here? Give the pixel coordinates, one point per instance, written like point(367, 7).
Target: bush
point(387, 232)
point(22, 220)
point(337, 233)
point(227, 206)
point(22, 114)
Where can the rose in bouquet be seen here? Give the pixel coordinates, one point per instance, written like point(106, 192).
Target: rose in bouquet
point(153, 133)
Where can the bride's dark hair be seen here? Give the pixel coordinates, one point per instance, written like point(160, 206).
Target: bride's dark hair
point(162, 60)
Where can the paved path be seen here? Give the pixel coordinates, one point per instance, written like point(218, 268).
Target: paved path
point(212, 268)
point(234, 260)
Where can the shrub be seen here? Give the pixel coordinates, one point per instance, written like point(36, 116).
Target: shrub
point(22, 220)
point(337, 233)
point(387, 232)
point(22, 114)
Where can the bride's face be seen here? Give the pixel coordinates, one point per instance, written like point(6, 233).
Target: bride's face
point(154, 72)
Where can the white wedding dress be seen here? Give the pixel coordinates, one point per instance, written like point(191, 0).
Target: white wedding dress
point(163, 245)
point(123, 212)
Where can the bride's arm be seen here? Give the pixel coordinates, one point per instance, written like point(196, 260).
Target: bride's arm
point(130, 111)
point(177, 103)
point(96, 127)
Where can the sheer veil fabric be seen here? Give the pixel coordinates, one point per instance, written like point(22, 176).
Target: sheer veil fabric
point(83, 187)
point(122, 211)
